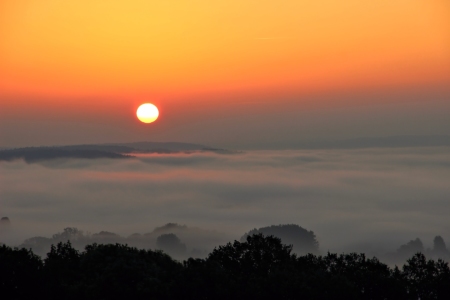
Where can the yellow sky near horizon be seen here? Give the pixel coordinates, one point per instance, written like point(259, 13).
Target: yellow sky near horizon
point(170, 49)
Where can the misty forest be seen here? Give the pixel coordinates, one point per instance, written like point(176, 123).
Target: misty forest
point(338, 254)
point(274, 262)
point(259, 267)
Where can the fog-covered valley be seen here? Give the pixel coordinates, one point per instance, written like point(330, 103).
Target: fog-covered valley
point(370, 200)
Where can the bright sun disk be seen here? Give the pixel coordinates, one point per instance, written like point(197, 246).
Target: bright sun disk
point(147, 113)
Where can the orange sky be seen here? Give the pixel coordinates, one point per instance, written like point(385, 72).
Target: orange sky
point(84, 54)
point(170, 49)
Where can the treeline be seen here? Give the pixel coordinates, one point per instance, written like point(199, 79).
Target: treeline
point(261, 267)
point(179, 241)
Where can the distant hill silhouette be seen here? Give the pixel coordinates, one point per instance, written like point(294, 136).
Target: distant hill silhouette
point(36, 154)
point(124, 150)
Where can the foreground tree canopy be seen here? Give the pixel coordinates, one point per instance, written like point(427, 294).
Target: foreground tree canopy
point(258, 268)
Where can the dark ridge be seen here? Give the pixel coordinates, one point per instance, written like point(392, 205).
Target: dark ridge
point(36, 154)
point(125, 150)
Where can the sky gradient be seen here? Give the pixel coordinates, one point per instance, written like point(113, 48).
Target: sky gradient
point(229, 66)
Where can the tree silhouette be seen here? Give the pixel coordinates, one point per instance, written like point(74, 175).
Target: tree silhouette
point(370, 278)
point(63, 270)
point(4, 221)
point(410, 248)
point(427, 279)
point(302, 240)
point(439, 248)
point(261, 267)
point(69, 233)
point(20, 273)
point(171, 244)
point(109, 272)
point(246, 269)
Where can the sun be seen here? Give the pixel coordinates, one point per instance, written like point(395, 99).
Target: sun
point(147, 113)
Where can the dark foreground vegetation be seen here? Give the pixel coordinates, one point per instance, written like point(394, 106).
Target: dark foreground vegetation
point(258, 268)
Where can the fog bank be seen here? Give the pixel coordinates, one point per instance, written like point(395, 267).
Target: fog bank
point(354, 200)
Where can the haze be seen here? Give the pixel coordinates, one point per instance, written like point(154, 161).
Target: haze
point(366, 199)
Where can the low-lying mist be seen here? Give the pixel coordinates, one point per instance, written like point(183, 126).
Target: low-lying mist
point(367, 200)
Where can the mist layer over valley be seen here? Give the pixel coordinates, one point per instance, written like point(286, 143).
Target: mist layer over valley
point(365, 200)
